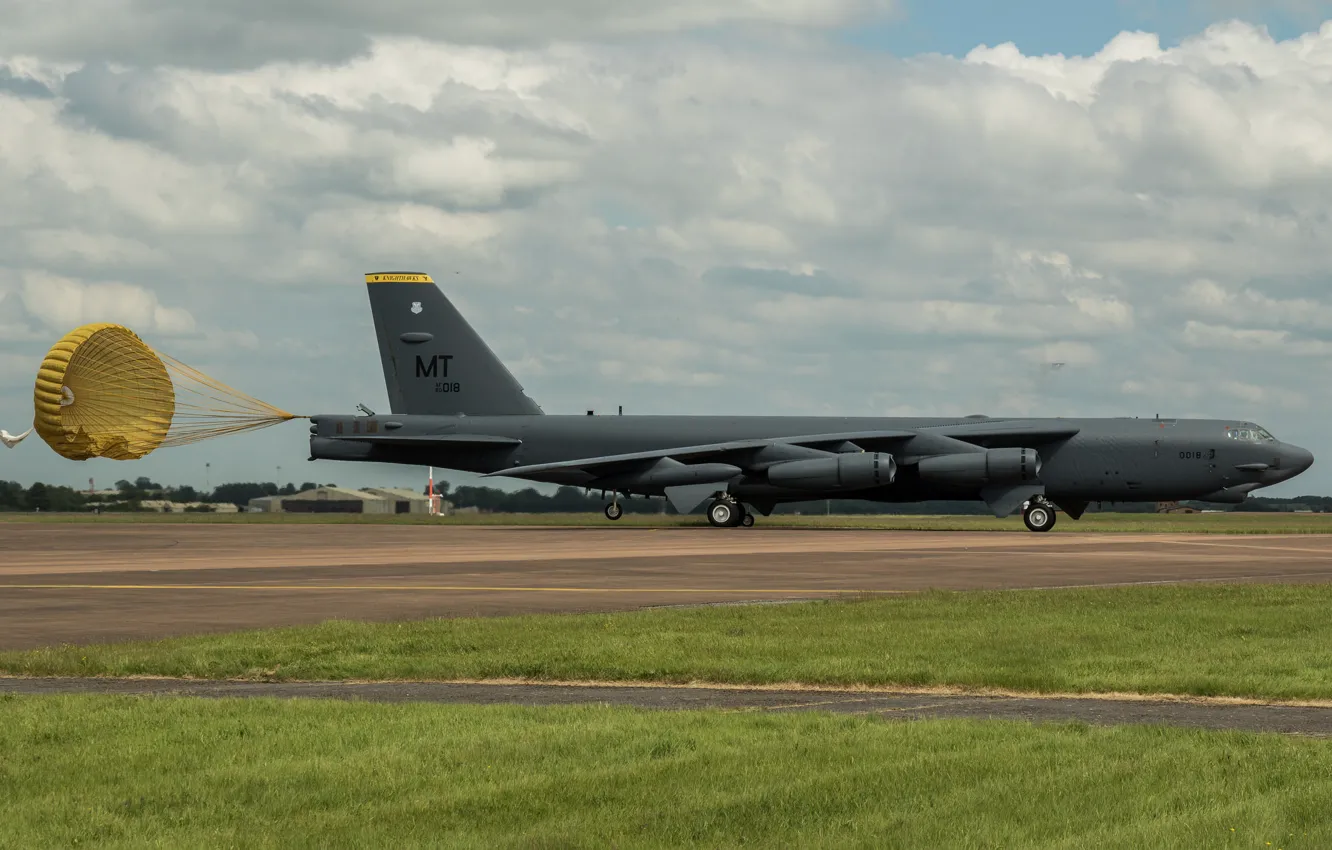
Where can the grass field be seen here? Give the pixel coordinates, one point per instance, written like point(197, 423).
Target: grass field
point(122, 772)
point(1267, 641)
point(1210, 523)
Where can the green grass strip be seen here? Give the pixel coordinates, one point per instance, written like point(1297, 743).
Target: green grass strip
point(1269, 641)
point(162, 772)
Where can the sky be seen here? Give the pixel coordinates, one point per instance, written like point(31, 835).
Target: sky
point(805, 207)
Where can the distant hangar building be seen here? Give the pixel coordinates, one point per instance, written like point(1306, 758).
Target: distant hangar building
point(341, 500)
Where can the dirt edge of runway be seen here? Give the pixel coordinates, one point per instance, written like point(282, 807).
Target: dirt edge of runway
point(918, 704)
point(92, 683)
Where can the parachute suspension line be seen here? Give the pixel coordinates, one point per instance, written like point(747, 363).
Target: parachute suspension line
point(207, 408)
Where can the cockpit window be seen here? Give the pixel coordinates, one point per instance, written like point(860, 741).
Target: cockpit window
point(1251, 435)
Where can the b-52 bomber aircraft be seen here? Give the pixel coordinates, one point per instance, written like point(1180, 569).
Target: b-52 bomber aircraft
point(454, 405)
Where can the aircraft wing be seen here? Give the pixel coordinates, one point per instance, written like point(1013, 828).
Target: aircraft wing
point(991, 433)
point(1005, 432)
point(610, 464)
point(716, 452)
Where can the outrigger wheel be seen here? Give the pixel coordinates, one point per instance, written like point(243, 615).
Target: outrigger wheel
point(614, 511)
point(1039, 515)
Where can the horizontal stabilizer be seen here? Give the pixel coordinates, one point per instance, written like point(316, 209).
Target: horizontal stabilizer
point(434, 439)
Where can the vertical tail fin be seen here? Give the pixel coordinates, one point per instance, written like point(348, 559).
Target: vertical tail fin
point(434, 363)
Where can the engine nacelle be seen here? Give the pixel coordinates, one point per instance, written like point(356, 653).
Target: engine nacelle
point(981, 468)
point(849, 471)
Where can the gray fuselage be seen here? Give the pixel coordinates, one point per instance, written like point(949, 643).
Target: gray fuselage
point(1107, 460)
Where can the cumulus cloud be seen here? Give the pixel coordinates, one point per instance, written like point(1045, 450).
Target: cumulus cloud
point(63, 304)
point(17, 372)
point(1257, 395)
point(1251, 306)
point(247, 31)
point(655, 374)
point(1203, 335)
point(1230, 107)
point(1250, 400)
point(677, 225)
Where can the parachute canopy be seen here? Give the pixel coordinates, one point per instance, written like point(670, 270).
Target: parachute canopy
point(102, 392)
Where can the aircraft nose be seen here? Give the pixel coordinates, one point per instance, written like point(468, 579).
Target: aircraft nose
point(1297, 459)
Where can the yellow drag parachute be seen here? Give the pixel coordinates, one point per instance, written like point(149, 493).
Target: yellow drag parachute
point(102, 392)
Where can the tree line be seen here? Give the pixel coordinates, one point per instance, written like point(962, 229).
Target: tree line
point(130, 496)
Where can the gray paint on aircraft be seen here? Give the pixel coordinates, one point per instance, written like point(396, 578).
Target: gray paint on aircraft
point(478, 419)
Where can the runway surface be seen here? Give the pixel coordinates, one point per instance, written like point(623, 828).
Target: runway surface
point(1289, 719)
point(80, 583)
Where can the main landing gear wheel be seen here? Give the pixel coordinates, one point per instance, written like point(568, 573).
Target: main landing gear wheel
point(1039, 516)
point(747, 520)
point(724, 513)
point(614, 511)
